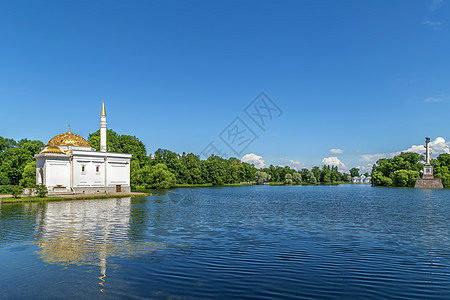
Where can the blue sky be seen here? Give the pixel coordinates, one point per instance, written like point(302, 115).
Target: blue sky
point(369, 78)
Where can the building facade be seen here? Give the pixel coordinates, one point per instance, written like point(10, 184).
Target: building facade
point(362, 179)
point(68, 164)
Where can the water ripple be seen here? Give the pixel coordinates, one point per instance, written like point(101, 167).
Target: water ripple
point(250, 242)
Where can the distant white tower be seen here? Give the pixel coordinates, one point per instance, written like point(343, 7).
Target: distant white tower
point(103, 128)
point(427, 151)
point(427, 169)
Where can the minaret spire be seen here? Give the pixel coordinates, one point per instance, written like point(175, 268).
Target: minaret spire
point(103, 113)
point(103, 128)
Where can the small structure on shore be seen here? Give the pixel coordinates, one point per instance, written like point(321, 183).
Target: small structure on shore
point(362, 179)
point(69, 165)
point(428, 181)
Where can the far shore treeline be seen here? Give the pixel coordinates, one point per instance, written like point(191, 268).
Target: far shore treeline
point(165, 169)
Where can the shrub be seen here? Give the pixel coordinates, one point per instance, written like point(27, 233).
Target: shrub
point(378, 179)
point(297, 178)
point(41, 190)
point(16, 191)
point(261, 177)
point(288, 179)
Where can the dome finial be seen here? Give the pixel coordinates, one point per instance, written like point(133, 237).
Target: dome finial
point(69, 127)
point(103, 113)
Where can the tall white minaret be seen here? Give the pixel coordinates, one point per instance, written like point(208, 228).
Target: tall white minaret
point(103, 128)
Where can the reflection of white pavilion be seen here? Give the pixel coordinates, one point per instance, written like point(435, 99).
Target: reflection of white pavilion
point(84, 232)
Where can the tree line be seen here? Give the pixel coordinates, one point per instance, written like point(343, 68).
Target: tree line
point(405, 168)
point(164, 168)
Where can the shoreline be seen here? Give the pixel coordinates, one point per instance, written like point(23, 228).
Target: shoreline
point(26, 199)
point(204, 185)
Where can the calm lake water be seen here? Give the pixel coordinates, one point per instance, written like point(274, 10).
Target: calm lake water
point(255, 242)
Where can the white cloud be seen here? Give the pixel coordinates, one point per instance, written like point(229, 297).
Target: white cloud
point(336, 151)
point(436, 4)
point(432, 24)
point(365, 168)
point(438, 146)
point(433, 99)
point(294, 164)
point(252, 158)
point(334, 161)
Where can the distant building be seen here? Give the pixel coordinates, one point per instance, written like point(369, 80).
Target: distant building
point(362, 179)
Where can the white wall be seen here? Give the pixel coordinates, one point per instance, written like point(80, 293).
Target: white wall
point(90, 176)
point(57, 172)
point(67, 171)
point(118, 172)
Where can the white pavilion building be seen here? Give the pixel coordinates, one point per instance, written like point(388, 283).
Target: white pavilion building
point(68, 164)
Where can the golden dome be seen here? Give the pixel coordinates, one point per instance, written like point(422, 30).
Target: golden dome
point(68, 139)
point(52, 149)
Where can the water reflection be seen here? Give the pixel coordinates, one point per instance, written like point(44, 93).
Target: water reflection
point(87, 232)
point(321, 242)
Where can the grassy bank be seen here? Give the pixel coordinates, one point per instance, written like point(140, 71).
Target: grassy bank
point(74, 197)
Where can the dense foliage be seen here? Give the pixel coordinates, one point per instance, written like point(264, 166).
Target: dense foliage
point(404, 169)
point(41, 190)
point(166, 168)
point(14, 156)
point(163, 169)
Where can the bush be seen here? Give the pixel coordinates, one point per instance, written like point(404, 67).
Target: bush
point(261, 177)
point(41, 190)
point(288, 179)
point(29, 175)
point(5, 189)
point(297, 178)
point(378, 179)
point(16, 191)
point(158, 177)
point(311, 178)
point(405, 177)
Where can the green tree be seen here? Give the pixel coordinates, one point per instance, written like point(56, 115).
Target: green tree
point(14, 157)
point(134, 173)
point(288, 179)
point(405, 177)
point(41, 190)
point(346, 177)
point(16, 191)
point(29, 175)
point(317, 173)
point(354, 172)
point(158, 177)
point(378, 179)
point(297, 178)
point(261, 177)
point(121, 144)
point(216, 170)
point(335, 175)
point(311, 178)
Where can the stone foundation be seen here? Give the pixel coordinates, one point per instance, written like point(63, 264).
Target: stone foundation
point(434, 183)
point(101, 189)
point(89, 190)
